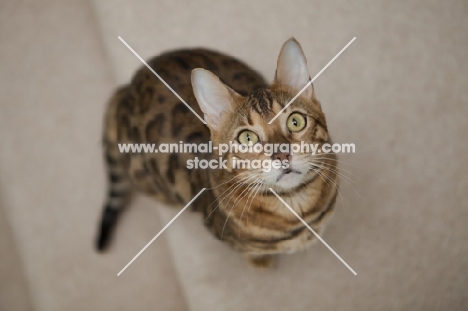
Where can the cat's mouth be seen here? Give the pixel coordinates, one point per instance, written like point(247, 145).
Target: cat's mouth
point(287, 171)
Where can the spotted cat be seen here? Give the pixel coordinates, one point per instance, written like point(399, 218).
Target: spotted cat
point(237, 104)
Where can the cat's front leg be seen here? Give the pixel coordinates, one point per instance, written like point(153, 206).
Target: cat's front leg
point(263, 262)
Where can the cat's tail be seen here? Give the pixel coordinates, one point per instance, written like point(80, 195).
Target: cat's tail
point(119, 183)
point(117, 198)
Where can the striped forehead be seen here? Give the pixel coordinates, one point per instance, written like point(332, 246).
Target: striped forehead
point(261, 101)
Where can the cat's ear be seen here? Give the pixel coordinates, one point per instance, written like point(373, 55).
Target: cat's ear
point(292, 69)
point(213, 96)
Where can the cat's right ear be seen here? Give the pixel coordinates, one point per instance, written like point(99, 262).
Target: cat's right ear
point(292, 69)
point(213, 96)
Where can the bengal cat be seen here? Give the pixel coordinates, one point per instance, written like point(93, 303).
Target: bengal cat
point(237, 105)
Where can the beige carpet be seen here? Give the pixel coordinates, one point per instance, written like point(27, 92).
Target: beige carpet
point(55, 80)
point(400, 93)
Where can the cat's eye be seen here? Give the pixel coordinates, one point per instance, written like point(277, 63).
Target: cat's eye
point(247, 137)
point(296, 122)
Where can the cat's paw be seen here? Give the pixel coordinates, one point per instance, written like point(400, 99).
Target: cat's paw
point(262, 262)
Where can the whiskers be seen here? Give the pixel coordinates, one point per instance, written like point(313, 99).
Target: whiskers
point(254, 192)
point(252, 182)
point(247, 191)
point(230, 190)
point(320, 166)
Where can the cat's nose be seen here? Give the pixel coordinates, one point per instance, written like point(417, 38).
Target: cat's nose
point(281, 156)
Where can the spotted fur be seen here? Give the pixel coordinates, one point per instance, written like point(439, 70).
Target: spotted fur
point(243, 213)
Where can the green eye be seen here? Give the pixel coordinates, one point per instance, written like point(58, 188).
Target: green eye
point(247, 137)
point(296, 122)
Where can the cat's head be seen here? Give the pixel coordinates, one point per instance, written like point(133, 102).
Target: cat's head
point(245, 119)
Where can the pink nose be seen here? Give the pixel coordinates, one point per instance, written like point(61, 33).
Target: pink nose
point(281, 156)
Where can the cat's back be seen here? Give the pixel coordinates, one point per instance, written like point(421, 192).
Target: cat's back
point(175, 68)
point(146, 111)
point(178, 64)
point(153, 111)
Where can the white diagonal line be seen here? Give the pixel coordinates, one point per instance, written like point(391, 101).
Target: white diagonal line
point(312, 230)
point(159, 233)
point(164, 82)
point(312, 81)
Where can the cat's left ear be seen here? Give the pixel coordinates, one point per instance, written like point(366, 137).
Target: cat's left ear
point(214, 97)
point(292, 68)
